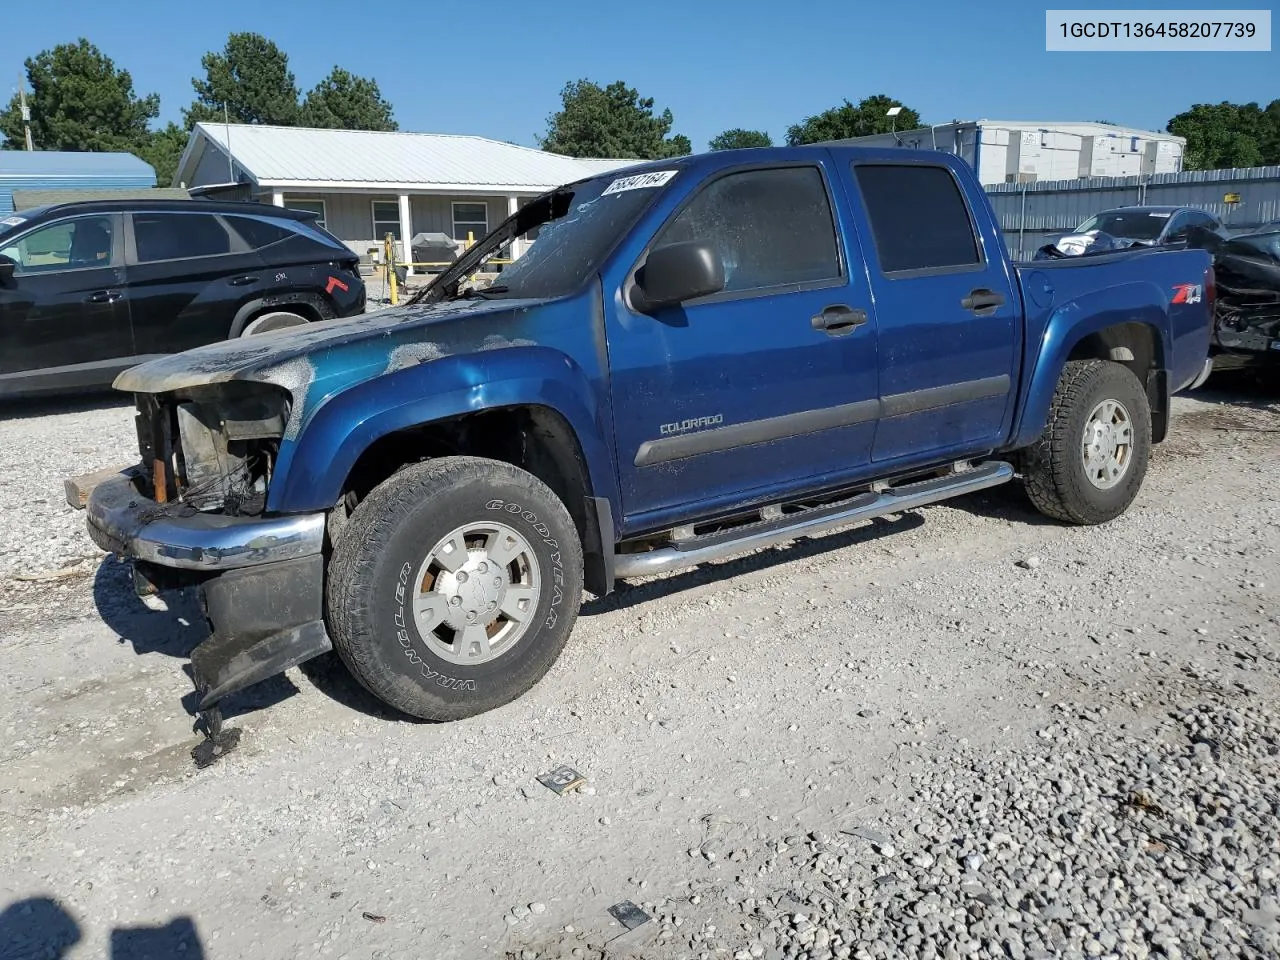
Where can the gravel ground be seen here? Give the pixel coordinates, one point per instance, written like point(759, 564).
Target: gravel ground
point(964, 732)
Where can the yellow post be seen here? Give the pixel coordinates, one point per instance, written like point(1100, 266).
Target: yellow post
point(389, 255)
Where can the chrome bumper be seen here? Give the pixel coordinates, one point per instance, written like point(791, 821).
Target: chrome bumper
point(122, 520)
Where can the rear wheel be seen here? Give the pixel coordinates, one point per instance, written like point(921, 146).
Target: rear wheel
point(454, 586)
point(1090, 462)
point(273, 320)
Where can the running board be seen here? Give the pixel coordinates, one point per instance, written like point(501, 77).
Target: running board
point(775, 529)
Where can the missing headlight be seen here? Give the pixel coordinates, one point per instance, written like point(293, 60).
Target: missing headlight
point(229, 438)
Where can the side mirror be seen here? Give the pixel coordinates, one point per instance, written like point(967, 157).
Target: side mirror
point(676, 273)
point(7, 267)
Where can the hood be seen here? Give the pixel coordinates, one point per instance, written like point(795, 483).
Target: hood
point(317, 360)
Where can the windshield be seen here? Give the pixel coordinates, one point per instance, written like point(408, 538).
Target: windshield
point(576, 227)
point(1128, 224)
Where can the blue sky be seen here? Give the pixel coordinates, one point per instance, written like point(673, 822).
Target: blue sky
point(750, 63)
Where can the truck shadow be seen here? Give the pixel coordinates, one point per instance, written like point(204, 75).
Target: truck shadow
point(627, 594)
point(39, 928)
point(1006, 502)
point(173, 632)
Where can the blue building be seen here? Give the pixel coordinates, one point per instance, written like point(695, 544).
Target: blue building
point(72, 172)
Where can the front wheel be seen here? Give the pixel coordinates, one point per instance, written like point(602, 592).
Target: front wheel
point(454, 586)
point(1089, 463)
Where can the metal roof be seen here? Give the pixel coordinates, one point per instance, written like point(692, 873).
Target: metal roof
point(304, 156)
point(52, 170)
point(43, 164)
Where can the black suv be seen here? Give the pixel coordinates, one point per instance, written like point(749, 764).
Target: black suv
point(90, 289)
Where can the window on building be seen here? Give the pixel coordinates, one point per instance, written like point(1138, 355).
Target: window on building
point(177, 236)
point(470, 218)
point(386, 219)
point(770, 227)
point(310, 206)
point(918, 217)
point(67, 244)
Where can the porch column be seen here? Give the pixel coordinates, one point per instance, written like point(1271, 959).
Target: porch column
point(517, 245)
point(406, 232)
point(277, 198)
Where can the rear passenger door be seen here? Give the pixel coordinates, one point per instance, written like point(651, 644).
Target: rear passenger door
point(188, 275)
point(949, 323)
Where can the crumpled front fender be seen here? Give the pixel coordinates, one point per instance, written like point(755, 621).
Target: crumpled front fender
point(313, 467)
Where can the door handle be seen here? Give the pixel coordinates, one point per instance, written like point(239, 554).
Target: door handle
point(982, 301)
point(838, 320)
point(243, 281)
point(103, 296)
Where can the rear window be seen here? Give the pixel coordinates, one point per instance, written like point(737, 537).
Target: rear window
point(918, 217)
point(258, 233)
point(174, 236)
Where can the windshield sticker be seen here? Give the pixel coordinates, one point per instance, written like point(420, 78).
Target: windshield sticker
point(1161, 216)
point(640, 181)
point(12, 221)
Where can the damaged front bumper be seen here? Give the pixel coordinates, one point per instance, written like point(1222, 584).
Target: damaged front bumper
point(261, 579)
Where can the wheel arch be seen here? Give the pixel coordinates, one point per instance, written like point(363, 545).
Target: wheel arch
point(1127, 325)
point(358, 438)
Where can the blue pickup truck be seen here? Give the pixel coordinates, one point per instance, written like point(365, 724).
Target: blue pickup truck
point(696, 358)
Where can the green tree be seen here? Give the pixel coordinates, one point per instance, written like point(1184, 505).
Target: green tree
point(846, 120)
point(251, 79)
point(737, 139)
point(80, 101)
point(1221, 135)
point(611, 122)
point(163, 149)
point(1269, 133)
point(345, 101)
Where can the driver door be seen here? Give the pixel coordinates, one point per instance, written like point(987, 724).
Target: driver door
point(64, 313)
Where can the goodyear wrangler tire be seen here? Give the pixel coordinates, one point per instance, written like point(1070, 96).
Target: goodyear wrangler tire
point(454, 587)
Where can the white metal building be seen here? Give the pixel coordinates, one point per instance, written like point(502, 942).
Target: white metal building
point(365, 184)
point(1017, 151)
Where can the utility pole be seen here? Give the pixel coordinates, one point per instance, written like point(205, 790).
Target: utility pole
point(26, 112)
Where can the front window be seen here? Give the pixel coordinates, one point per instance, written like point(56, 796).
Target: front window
point(67, 244)
point(386, 219)
point(770, 227)
point(470, 221)
point(572, 247)
point(1128, 224)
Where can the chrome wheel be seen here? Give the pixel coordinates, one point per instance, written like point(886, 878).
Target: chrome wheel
point(476, 593)
point(1108, 444)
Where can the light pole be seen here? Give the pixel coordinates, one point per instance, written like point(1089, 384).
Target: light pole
point(892, 114)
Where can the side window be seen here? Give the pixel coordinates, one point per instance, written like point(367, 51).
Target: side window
point(258, 233)
point(65, 245)
point(918, 217)
point(178, 236)
point(1177, 229)
point(770, 227)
